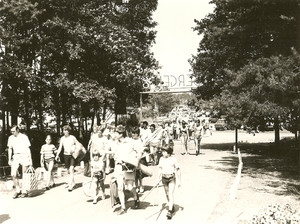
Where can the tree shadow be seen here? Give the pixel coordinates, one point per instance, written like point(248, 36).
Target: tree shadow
point(278, 169)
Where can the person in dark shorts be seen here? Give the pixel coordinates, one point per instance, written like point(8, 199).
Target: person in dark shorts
point(97, 175)
point(68, 142)
point(169, 174)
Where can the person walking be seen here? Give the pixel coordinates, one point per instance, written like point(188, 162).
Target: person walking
point(19, 154)
point(123, 151)
point(68, 142)
point(169, 175)
point(198, 129)
point(184, 135)
point(97, 175)
point(139, 148)
point(47, 160)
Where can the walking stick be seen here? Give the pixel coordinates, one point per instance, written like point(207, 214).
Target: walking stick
point(150, 191)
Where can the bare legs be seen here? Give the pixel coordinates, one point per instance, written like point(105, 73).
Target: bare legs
point(169, 189)
point(50, 176)
point(71, 178)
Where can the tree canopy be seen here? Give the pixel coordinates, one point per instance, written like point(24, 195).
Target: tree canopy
point(62, 57)
point(247, 63)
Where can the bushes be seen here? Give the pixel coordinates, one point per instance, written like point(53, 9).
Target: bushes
point(276, 214)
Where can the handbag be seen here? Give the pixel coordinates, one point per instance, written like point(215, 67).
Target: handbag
point(30, 181)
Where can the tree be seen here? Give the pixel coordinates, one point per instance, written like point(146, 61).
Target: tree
point(240, 31)
point(263, 91)
point(60, 57)
point(241, 41)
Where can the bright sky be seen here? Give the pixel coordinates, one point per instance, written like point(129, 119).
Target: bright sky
point(176, 42)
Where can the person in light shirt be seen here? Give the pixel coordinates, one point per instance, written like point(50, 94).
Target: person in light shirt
point(19, 154)
point(145, 132)
point(68, 142)
point(169, 174)
point(47, 160)
point(139, 148)
point(123, 150)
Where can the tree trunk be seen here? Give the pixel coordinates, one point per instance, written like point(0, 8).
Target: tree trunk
point(41, 118)
point(26, 105)
point(14, 116)
point(3, 132)
point(80, 123)
point(86, 123)
point(3, 121)
point(98, 118)
point(277, 133)
point(7, 121)
point(236, 139)
point(104, 112)
point(58, 113)
point(93, 119)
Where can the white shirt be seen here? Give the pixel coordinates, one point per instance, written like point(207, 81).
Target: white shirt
point(99, 144)
point(138, 145)
point(68, 143)
point(122, 150)
point(19, 144)
point(145, 133)
point(97, 166)
point(168, 165)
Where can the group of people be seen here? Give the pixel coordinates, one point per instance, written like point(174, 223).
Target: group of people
point(117, 150)
point(176, 130)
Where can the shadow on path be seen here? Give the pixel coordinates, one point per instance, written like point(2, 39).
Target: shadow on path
point(277, 170)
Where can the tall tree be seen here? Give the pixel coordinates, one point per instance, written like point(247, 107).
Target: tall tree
point(239, 31)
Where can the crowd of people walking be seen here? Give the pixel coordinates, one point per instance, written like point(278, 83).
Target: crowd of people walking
point(125, 153)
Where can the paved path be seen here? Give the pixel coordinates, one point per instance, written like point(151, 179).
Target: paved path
point(203, 197)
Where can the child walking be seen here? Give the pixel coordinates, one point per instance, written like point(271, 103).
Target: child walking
point(47, 160)
point(97, 175)
point(169, 174)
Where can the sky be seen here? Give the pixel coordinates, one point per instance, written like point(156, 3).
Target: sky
point(176, 42)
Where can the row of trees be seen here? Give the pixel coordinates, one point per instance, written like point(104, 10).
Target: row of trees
point(73, 58)
point(248, 62)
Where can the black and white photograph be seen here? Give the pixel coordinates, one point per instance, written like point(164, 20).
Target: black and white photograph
point(150, 111)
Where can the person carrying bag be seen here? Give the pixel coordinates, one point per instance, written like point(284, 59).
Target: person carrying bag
point(30, 181)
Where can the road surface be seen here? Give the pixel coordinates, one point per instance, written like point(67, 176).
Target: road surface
point(202, 198)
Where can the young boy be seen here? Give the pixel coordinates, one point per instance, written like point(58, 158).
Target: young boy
point(169, 174)
point(97, 175)
point(47, 159)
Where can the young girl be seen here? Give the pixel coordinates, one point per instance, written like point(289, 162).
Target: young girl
point(169, 174)
point(47, 160)
point(97, 175)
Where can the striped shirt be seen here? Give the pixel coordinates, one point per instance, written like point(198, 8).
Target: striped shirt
point(48, 151)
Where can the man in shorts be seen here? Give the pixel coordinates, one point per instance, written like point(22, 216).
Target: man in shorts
point(19, 154)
